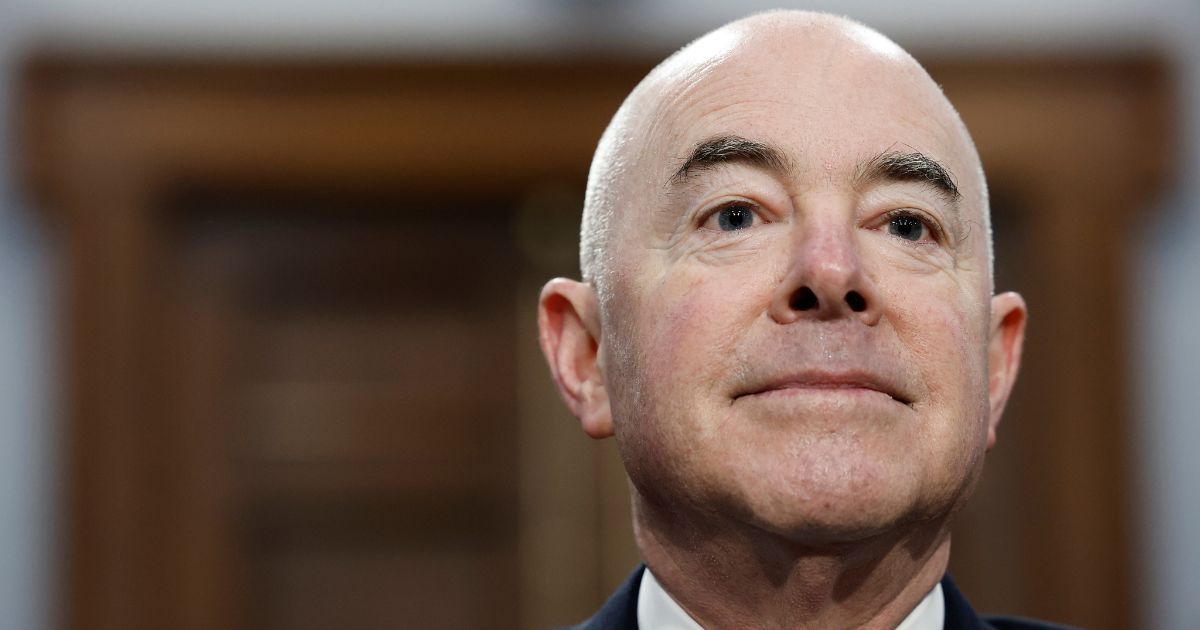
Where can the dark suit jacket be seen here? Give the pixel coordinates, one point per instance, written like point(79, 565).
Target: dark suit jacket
point(620, 612)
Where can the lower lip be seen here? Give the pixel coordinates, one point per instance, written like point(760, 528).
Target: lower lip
point(823, 392)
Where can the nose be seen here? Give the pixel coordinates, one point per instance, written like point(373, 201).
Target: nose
point(826, 280)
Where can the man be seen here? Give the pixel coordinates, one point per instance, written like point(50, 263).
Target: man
point(787, 322)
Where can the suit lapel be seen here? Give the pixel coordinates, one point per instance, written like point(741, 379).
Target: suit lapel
point(620, 611)
point(959, 614)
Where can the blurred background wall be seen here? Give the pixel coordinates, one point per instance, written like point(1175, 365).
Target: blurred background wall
point(1162, 311)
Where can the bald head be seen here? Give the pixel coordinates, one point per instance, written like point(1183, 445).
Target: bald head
point(787, 320)
point(826, 67)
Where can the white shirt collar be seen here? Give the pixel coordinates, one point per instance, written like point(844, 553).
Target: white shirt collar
point(657, 610)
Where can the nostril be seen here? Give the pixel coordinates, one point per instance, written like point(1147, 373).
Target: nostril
point(804, 299)
point(856, 301)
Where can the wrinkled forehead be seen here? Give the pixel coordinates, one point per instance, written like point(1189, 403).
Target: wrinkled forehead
point(830, 98)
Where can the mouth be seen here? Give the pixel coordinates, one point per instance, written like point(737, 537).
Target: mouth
point(846, 383)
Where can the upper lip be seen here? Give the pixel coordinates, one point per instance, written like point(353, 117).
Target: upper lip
point(817, 379)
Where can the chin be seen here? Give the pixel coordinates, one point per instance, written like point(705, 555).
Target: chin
point(835, 496)
point(821, 518)
point(844, 475)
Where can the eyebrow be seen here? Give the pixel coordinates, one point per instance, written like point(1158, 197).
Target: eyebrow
point(900, 166)
point(912, 166)
point(729, 149)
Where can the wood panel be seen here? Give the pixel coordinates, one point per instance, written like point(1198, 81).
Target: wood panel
point(1073, 150)
point(375, 429)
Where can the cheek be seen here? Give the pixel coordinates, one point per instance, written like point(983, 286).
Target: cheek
point(695, 324)
point(944, 336)
point(684, 334)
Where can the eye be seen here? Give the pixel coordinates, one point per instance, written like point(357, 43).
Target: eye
point(731, 217)
point(910, 226)
point(906, 227)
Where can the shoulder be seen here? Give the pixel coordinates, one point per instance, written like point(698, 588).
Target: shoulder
point(960, 615)
point(620, 611)
point(1019, 623)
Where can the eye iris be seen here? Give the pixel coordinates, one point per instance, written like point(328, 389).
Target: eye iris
point(906, 228)
point(734, 218)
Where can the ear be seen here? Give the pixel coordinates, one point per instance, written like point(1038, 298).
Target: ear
point(1007, 336)
point(569, 326)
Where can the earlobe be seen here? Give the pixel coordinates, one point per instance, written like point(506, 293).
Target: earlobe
point(1007, 337)
point(569, 331)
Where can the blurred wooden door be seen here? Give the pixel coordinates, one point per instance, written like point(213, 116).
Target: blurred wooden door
point(303, 388)
point(354, 378)
point(302, 384)
point(1073, 148)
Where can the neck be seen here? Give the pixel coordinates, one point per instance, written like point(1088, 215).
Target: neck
point(729, 575)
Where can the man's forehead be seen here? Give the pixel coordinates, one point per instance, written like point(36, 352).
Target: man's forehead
point(830, 144)
point(830, 95)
